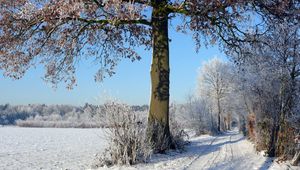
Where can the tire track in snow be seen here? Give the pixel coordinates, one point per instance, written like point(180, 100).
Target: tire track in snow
point(215, 156)
point(218, 158)
point(226, 149)
point(197, 157)
point(231, 152)
point(221, 153)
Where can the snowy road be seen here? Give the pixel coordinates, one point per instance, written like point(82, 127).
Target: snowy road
point(230, 151)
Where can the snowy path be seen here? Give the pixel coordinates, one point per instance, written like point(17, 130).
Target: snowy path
point(230, 151)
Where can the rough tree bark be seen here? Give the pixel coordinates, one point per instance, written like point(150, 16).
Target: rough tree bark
point(158, 120)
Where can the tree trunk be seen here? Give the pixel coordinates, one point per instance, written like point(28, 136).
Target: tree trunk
point(286, 134)
point(229, 119)
point(158, 120)
point(272, 144)
point(219, 115)
point(279, 123)
point(296, 159)
point(224, 127)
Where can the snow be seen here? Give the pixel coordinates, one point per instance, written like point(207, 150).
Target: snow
point(49, 148)
point(230, 151)
point(55, 148)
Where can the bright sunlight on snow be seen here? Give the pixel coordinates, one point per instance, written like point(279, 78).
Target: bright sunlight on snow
point(49, 148)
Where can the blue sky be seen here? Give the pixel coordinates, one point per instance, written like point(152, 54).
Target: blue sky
point(130, 84)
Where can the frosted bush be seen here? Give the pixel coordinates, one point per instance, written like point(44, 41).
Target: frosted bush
point(126, 135)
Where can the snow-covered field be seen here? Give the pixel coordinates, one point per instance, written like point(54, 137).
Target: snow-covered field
point(50, 148)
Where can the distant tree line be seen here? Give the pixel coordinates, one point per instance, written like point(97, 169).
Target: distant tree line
point(41, 115)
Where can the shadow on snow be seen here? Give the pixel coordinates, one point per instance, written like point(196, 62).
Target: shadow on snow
point(198, 147)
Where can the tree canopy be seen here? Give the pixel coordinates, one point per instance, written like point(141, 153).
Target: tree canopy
point(59, 33)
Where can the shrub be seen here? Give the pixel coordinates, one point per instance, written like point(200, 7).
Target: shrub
point(180, 137)
point(126, 136)
point(263, 135)
point(251, 126)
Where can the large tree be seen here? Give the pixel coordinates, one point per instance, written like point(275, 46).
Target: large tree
point(58, 33)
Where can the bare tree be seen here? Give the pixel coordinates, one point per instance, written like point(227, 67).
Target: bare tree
point(273, 70)
point(214, 82)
